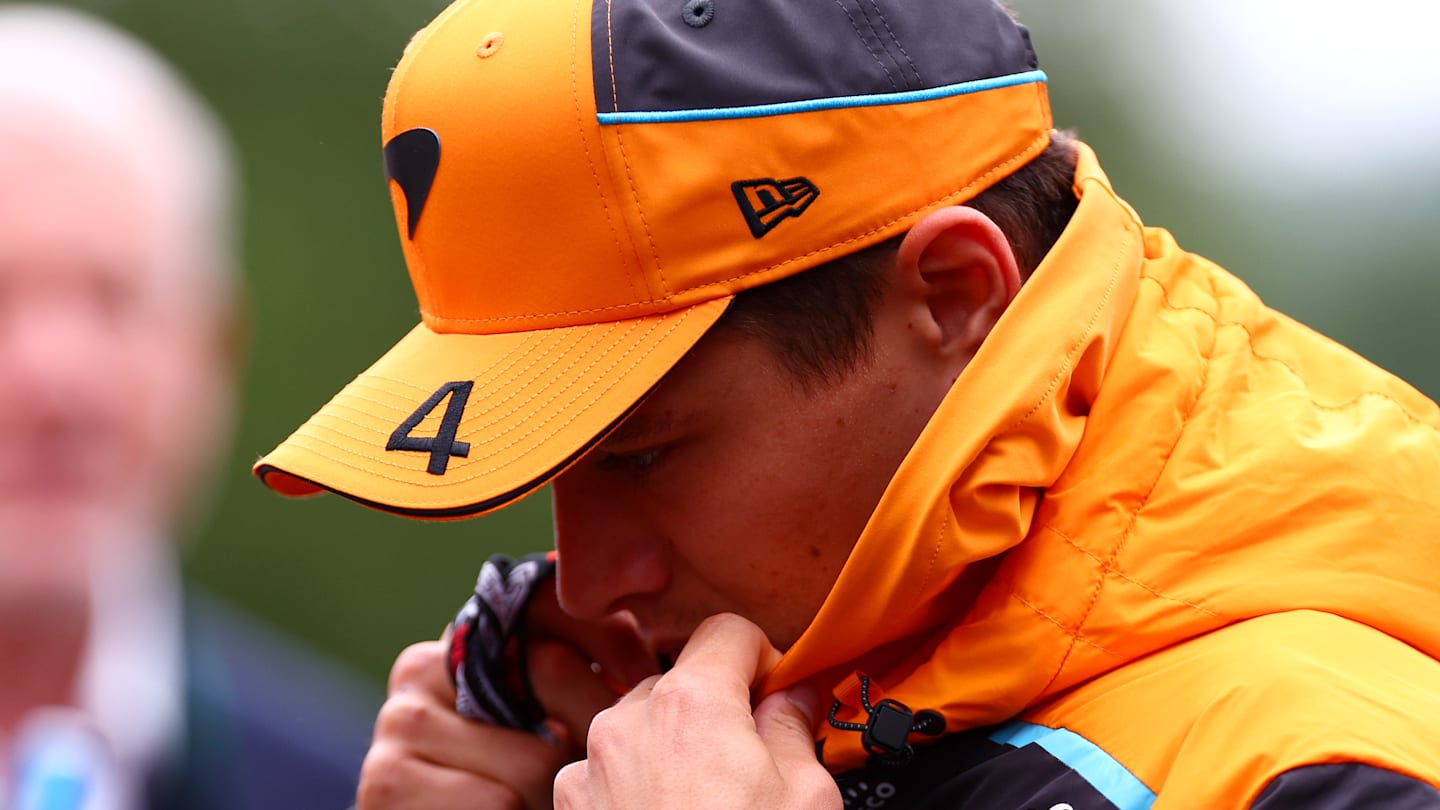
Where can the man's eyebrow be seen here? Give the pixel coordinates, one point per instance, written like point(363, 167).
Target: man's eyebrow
point(639, 428)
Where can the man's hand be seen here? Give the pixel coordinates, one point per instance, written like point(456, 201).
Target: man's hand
point(689, 739)
point(426, 756)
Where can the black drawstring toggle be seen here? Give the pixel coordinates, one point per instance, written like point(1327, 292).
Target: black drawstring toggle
point(889, 725)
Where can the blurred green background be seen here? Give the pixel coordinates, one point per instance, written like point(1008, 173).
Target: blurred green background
point(1347, 248)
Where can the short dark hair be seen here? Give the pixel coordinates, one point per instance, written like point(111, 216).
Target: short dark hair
point(819, 323)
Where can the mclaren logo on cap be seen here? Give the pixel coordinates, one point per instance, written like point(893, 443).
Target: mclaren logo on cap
point(767, 201)
point(411, 159)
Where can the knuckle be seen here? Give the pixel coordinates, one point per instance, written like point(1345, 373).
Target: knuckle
point(606, 732)
point(404, 717)
point(569, 784)
point(678, 692)
point(493, 795)
point(415, 663)
point(382, 778)
point(819, 788)
point(390, 778)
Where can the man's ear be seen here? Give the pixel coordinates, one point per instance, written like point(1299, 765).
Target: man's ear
point(966, 273)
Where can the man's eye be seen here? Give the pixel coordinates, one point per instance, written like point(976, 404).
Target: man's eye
point(636, 462)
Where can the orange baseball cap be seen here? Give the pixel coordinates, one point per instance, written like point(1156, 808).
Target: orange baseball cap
point(582, 187)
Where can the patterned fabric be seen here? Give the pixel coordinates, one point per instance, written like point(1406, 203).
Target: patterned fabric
point(486, 663)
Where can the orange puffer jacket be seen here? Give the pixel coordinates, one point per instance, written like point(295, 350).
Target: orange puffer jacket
point(1162, 522)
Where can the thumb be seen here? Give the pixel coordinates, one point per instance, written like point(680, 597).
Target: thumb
point(785, 722)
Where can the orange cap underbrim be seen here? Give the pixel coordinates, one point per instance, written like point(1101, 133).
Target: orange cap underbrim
point(539, 400)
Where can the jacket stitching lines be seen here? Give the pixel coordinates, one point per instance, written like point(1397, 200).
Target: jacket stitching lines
point(1073, 632)
point(1121, 249)
point(935, 552)
point(1109, 563)
point(1080, 342)
point(1120, 572)
point(934, 555)
point(1300, 378)
point(1114, 555)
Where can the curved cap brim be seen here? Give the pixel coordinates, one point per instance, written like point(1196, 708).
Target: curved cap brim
point(454, 425)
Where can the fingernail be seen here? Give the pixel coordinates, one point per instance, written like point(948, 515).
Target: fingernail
point(805, 697)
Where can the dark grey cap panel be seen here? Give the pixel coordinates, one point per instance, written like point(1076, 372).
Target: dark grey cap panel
point(772, 51)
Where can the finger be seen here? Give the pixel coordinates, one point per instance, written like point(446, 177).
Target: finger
point(785, 722)
point(566, 686)
point(728, 646)
point(571, 784)
point(434, 733)
point(641, 692)
point(422, 667)
point(392, 780)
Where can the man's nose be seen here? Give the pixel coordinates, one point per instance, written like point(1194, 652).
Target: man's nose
point(609, 552)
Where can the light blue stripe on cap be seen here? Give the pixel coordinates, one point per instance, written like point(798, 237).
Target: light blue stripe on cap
point(1107, 776)
point(814, 104)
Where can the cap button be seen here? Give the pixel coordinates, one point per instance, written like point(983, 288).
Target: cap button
point(698, 13)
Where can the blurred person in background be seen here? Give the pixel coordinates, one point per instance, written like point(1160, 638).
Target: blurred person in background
point(120, 687)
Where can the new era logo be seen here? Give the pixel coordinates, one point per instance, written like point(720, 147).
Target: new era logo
point(766, 202)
